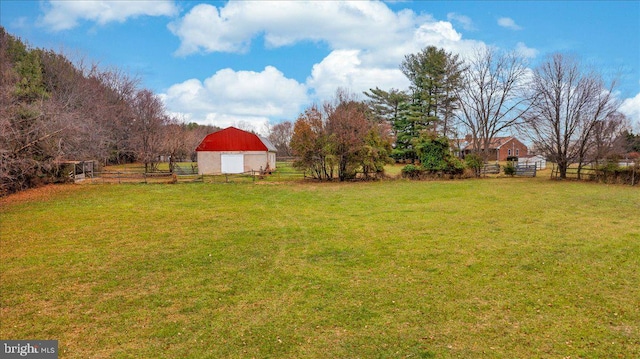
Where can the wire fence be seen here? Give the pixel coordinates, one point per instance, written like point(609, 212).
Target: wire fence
point(286, 172)
point(189, 173)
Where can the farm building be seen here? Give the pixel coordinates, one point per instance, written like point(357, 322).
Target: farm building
point(539, 161)
point(499, 148)
point(235, 151)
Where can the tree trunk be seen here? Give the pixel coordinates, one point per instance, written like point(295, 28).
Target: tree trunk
point(562, 169)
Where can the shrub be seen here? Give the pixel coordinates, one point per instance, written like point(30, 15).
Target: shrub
point(611, 172)
point(435, 156)
point(454, 166)
point(509, 169)
point(411, 171)
point(475, 163)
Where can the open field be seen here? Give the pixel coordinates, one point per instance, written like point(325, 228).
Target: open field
point(492, 268)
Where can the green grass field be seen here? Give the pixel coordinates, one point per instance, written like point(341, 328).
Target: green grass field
point(492, 268)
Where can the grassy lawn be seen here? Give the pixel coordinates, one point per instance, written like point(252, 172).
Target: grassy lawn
point(493, 268)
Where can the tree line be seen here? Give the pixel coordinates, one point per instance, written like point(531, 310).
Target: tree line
point(568, 112)
point(52, 110)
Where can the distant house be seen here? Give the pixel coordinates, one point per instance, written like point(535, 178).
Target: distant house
point(235, 151)
point(499, 148)
point(539, 161)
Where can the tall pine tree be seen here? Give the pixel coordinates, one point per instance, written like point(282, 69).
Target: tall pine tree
point(435, 75)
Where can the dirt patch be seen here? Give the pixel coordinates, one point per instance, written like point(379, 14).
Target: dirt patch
point(38, 194)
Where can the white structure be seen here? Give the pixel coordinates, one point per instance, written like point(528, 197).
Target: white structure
point(539, 161)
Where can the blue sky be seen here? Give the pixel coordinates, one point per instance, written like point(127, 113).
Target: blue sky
point(250, 63)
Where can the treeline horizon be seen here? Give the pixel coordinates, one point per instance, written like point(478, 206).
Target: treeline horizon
point(53, 109)
point(568, 111)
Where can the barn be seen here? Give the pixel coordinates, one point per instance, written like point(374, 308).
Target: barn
point(235, 151)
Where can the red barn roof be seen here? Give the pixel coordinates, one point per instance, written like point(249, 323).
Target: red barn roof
point(233, 139)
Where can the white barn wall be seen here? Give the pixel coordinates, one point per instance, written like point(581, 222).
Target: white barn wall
point(209, 162)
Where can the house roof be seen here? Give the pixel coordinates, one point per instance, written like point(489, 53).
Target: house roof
point(234, 139)
point(534, 156)
point(495, 143)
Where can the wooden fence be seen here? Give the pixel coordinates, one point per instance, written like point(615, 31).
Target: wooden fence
point(490, 169)
point(119, 177)
point(130, 177)
point(526, 171)
point(624, 175)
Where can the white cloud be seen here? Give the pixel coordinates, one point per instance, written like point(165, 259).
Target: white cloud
point(463, 20)
point(345, 68)
point(367, 42)
point(525, 51)
point(631, 108)
point(64, 15)
point(340, 24)
point(229, 97)
point(508, 23)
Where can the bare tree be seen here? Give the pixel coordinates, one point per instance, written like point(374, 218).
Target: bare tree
point(146, 138)
point(32, 125)
point(280, 135)
point(492, 96)
point(175, 141)
point(608, 138)
point(195, 134)
point(567, 105)
point(115, 115)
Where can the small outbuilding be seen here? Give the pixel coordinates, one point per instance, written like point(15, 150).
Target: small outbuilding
point(539, 161)
point(235, 151)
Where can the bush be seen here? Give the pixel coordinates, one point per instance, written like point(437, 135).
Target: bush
point(509, 169)
point(613, 173)
point(411, 171)
point(454, 166)
point(475, 163)
point(435, 156)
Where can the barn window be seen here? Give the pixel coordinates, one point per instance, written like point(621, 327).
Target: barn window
point(517, 152)
point(508, 152)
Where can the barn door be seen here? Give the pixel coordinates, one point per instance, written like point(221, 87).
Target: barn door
point(232, 163)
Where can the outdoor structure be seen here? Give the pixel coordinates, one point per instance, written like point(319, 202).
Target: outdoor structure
point(499, 148)
point(78, 170)
point(235, 151)
point(539, 161)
